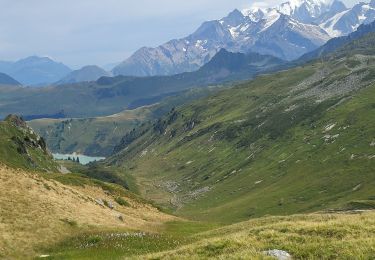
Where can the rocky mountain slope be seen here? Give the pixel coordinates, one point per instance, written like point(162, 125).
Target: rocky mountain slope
point(280, 144)
point(286, 31)
point(35, 71)
point(87, 73)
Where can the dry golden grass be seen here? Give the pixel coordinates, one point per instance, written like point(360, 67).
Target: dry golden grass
point(35, 213)
point(314, 236)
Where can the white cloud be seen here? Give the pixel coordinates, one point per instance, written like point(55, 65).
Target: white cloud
point(264, 4)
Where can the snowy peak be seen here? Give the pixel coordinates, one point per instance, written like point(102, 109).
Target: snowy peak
point(347, 21)
point(305, 11)
point(234, 18)
point(255, 14)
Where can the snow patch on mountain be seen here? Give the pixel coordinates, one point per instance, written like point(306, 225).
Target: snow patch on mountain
point(329, 25)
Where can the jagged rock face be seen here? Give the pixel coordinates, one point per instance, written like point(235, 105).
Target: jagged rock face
point(17, 121)
point(286, 31)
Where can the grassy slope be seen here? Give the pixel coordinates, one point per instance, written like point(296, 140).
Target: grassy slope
point(264, 147)
point(93, 136)
point(32, 158)
point(40, 207)
point(315, 236)
point(39, 211)
point(346, 235)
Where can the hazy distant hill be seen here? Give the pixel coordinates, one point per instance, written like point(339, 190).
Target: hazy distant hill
point(34, 70)
point(7, 80)
point(87, 73)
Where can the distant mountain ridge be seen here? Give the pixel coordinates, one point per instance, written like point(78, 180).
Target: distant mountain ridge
point(109, 95)
point(87, 73)
point(34, 70)
point(286, 31)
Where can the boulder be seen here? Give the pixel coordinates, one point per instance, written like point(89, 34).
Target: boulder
point(278, 254)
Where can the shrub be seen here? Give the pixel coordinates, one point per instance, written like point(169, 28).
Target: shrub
point(122, 202)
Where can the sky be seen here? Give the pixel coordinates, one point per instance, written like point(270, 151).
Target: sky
point(101, 32)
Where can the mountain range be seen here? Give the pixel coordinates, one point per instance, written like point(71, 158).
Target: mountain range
point(110, 95)
point(286, 31)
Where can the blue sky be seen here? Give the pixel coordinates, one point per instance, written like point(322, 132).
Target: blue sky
point(81, 32)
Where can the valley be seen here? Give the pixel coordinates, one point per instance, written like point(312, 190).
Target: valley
point(214, 159)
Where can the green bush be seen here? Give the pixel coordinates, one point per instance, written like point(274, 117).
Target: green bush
point(122, 202)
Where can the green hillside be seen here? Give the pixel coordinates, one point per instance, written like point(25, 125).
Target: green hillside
point(98, 136)
point(20, 147)
point(295, 141)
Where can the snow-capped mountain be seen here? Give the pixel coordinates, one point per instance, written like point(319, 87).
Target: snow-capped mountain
point(275, 34)
point(286, 31)
point(305, 10)
point(349, 20)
